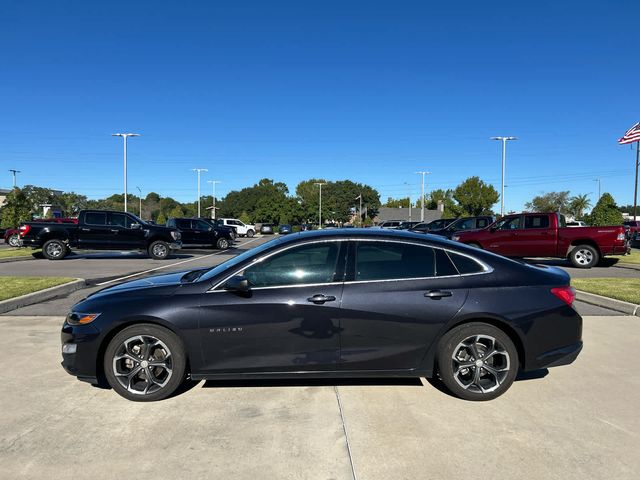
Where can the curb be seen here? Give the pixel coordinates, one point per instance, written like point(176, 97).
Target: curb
point(16, 259)
point(628, 266)
point(41, 295)
point(610, 303)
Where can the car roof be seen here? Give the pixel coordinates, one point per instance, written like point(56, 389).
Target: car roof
point(366, 233)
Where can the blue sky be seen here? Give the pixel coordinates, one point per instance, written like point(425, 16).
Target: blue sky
point(366, 90)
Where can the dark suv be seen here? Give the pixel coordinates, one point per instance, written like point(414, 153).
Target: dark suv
point(198, 232)
point(462, 225)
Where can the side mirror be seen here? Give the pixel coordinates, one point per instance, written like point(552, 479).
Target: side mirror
point(136, 226)
point(238, 284)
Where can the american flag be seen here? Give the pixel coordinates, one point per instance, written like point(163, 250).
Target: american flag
point(632, 135)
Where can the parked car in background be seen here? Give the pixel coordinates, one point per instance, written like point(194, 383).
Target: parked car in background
point(267, 229)
point(577, 223)
point(634, 226)
point(307, 226)
point(285, 229)
point(546, 235)
point(196, 232)
point(399, 305)
point(100, 230)
point(390, 224)
point(463, 224)
point(425, 227)
point(242, 229)
point(12, 235)
point(219, 224)
point(407, 225)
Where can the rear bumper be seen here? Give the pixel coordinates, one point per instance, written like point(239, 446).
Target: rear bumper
point(559, 356)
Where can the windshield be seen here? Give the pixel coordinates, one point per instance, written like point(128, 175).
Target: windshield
point(218, 269)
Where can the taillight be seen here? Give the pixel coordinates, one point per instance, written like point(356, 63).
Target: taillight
point(566, 294)
point(24, 229)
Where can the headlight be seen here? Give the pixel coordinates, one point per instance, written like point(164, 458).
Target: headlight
point(77, 318)
point(176, 235)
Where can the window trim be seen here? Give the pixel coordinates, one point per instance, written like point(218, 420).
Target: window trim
point(350, 241)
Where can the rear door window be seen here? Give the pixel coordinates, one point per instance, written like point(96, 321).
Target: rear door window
point(393, 260)
point(200, 225)
point(183, 224)
point(95, 218)
point(536, 221)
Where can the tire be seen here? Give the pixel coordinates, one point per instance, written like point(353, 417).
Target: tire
point(145, 363)
point(54, 249)
point(250, 233)
point(584, 256)
point(159, 250)
point(222, 243)
point(459, 352)
point(14, 240)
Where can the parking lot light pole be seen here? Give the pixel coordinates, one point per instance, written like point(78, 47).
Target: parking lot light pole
point(359, 197)
point(213, 204)
point(124, 137)
point(140, 199)
point(320, 184)
point(504, 141)
point(14, 172)
point(599, 184)
point(199, 170)
point(422, 200)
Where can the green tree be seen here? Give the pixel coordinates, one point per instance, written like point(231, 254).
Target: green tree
point(176, 212)
point(578, 204)
point(16, 209)
point(72, 203)
point(451, 208)
point(605, 212)
point(475, 197)
point(550, 202)
point(397, 202)
point(161, 219)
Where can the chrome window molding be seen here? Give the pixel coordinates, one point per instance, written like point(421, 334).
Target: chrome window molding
point(485, 268)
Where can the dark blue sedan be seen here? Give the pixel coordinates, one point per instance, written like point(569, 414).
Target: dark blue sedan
point(338, 303)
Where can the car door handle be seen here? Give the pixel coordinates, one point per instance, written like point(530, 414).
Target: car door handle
point(436, 294)
point(114, 230)
point(319, 299)
point(85, 229)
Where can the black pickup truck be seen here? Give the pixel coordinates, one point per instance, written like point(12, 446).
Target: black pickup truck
point(100, 230)
point(201, 232)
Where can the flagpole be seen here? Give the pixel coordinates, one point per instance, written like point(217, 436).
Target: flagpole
point(635, 190)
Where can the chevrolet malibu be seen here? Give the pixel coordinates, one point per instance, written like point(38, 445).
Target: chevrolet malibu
point(337, 303)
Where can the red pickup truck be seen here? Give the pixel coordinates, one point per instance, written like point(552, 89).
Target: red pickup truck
point(545, 235)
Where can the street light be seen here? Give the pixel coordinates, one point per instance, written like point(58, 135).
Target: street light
point(213, 206)
point(422, 201)
point(15, 184)
point(199, 170)
point(359, 197)
point(504, 141)
point(409, 187)
point(140, 199)
point(320, 184)
point(599, 183)
point(124, 137)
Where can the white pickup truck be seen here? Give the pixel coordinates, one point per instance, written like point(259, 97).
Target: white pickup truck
point(241, 229)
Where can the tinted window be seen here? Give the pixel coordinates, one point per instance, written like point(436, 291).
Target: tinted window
point(468, 224)
point(120, 220)
point(536, 221)
point(200, 225)
point(315, 263)
point(512, 223)
point(389, 260)
point(183, 224)
point(464, 264)
point(95, 218)
point(482, 222)
point(444, 265)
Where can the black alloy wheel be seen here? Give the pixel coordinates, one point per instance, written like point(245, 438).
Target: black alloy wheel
point(477, 361)
point(145, 362)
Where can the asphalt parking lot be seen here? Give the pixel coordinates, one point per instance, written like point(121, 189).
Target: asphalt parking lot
point(577, 422)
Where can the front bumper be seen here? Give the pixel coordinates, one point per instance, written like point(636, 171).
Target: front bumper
point(175, 245)
point(82, 363)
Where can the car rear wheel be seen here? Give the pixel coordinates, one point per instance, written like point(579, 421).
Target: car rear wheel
point(477, 361)
point(145, 362)
point(54, 249)
point(159, 250)
point(222, 243)
point(14, 240)
point(584, 256)
point(250, 233)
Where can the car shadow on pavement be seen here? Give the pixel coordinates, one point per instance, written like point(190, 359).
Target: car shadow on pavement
point(436, 383)
point(313, 382)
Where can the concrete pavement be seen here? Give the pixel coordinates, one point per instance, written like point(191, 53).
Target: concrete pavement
point(578, 422)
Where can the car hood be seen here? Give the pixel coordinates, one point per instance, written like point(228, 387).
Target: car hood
point(167, 282)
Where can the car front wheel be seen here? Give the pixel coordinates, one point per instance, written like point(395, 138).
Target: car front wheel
point(250, 233)
point(222, 243)
point(477, 361)
point(159, 250)
point(145, 362)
